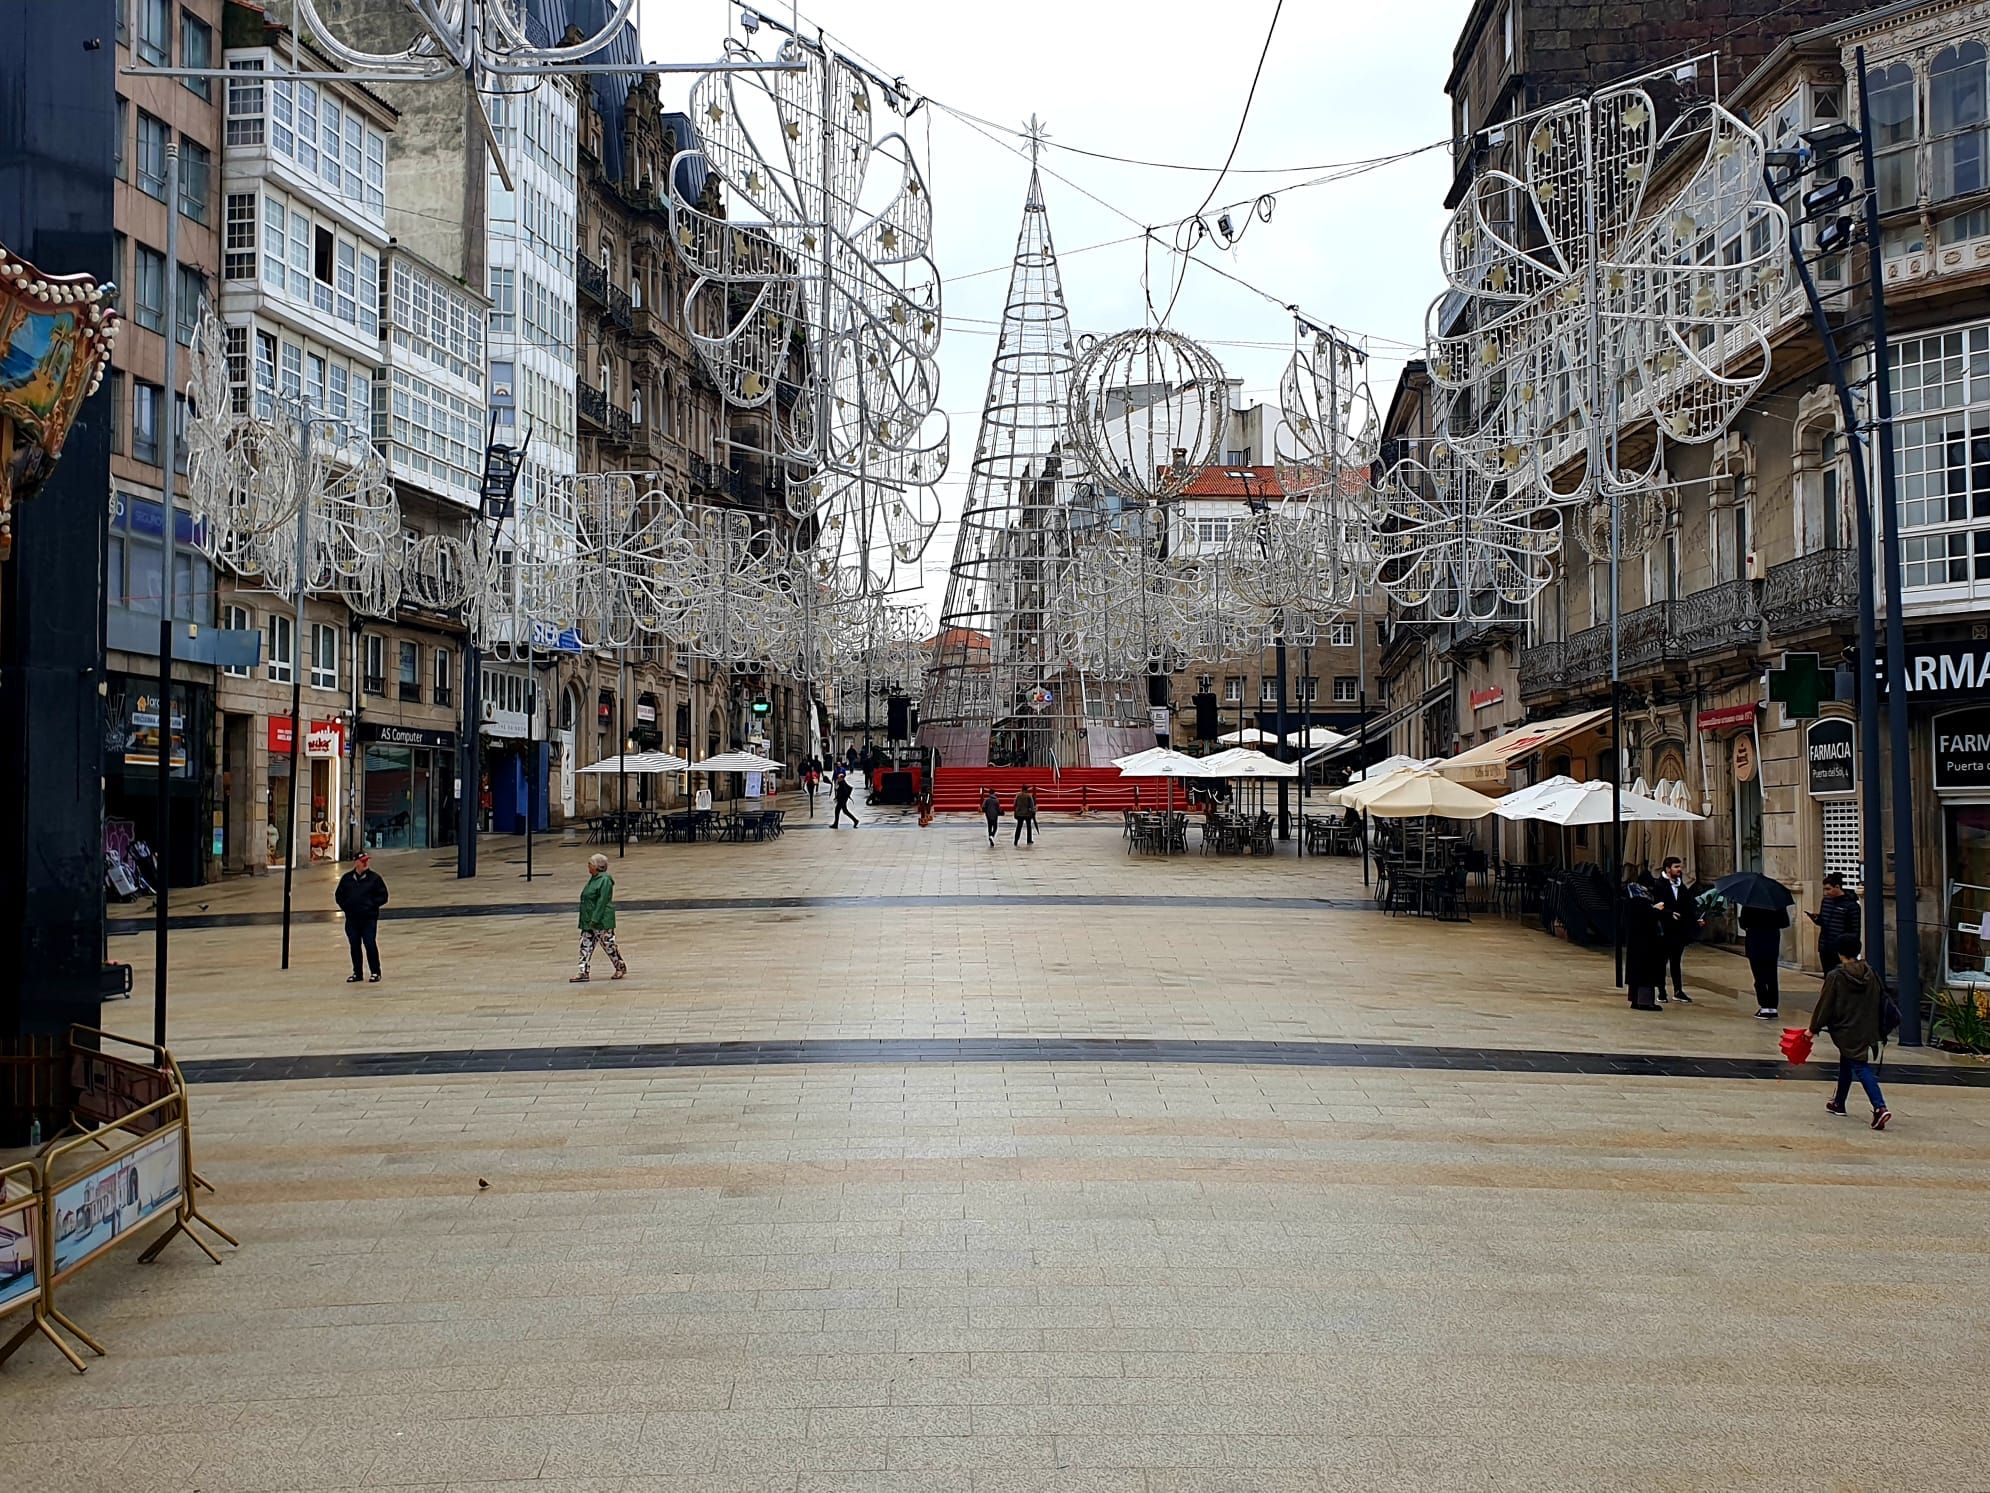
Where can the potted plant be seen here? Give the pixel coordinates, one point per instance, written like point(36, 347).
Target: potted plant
point(1961, 1020)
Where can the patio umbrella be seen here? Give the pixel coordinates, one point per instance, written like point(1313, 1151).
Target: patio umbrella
point(1354, 794)
point(1425, 793)
point(740, 762)
point(1516, 803)
point(636, 762)
point(1249, 736)
point(1590, 803)
point(1316, 736)
point(1753, 889)
point(1163, 762)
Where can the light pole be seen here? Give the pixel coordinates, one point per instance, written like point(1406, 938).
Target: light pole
point(496, 499)
point(1258, 506)
point(163, 834)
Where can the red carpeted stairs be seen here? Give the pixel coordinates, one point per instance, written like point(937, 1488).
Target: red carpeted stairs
point(957, 790)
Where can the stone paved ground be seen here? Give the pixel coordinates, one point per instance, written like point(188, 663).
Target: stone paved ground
point(1028, 1277)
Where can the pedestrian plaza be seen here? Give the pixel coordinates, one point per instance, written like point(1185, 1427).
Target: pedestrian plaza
point(903, 1162)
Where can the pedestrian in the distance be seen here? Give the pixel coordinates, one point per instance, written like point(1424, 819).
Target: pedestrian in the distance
point(1025, 815)
point(597, 920)
point(1852, 1008)
point(1644, 947)
point(1762, 940)
point(811, 780)
point(842, 803)
point(991, 810)
point(361, 893)
point(1837, 914)
point(1680, 915)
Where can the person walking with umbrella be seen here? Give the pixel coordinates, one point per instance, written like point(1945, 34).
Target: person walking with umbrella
point(1837, 914)
point(1025, 814)
point(1644, 947)
point(1762, 908)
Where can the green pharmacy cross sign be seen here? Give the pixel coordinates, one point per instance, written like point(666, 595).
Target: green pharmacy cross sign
point(1799, 685)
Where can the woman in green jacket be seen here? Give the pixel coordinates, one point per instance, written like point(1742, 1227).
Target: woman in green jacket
point(597, 919)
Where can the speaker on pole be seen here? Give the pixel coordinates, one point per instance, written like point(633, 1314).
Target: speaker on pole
point(898, 718)
point(1157, 689)
point(1207, 726)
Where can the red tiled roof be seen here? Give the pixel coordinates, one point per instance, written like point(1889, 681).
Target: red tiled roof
point(1217, 482)
point(958, 637)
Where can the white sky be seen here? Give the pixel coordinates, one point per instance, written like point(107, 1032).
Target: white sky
point(1158, 80)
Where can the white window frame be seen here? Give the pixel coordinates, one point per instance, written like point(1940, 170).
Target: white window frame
point(324, 642)
point(278, 638)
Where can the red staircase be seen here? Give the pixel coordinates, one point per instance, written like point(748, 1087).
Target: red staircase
point(957, 790)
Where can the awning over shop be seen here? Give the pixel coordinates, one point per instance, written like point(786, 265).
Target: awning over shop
point(1488, 763)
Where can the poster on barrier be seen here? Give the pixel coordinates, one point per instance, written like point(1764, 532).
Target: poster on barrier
point(96, 1208)
point(108, 1088)
point(20, 1228)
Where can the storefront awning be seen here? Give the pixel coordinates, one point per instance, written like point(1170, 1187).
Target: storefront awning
point(1489, 762)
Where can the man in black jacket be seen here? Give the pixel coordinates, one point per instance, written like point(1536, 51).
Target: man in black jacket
point(361, 895)
point(1680, 916)
point(1836, 916)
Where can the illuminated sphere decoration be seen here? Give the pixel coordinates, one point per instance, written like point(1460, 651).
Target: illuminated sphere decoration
point(1147, 412)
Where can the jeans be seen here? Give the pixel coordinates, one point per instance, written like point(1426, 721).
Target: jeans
point(361, 936)
point(1849, 1068)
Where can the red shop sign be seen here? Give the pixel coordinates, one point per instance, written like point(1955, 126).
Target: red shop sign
point(279, 735)
point(1492, 694)
point(1728, 716)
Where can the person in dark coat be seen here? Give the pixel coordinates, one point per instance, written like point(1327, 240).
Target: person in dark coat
point(1644, 947)
point(1679, 916)
point(991, 810)
point(1025, 809)
point(1762, 941)
point(1836, 916)
point(843, 791)
point(1850, 1007)
point(361, 894)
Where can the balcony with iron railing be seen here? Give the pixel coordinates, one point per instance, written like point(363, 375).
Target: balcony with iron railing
point(1719, 618)
point(591, 278)
point(618, 307)
point(1812, 591)
point(610, 421)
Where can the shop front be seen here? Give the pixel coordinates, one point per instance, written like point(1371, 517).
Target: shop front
point(321, 762)
point(1961, 774)
point(408, 786)
point(131, 771)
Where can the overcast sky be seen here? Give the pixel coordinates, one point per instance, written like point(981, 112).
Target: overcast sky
point(1158, 80)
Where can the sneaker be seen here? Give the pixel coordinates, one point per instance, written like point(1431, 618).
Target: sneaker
point(1881, 1117)
point(352, 979)
point(577, 980)
point(621, 970)
point(1834, 1107)
point(1767, 1013)
point(1683, 998)
point(374, 978)
point(1663, 997)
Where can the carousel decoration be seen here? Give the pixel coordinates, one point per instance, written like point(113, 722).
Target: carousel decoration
point(56, 336)
point(1147, 412)
point(814, 295)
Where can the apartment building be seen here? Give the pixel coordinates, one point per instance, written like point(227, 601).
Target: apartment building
point(161, 297)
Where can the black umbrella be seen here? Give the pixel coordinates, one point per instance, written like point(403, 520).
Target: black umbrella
point(1753, 889)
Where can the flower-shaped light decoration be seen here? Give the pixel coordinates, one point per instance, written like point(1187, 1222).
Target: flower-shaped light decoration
point(1324, 447)
point(1147, 412)
point(1285, 572)
point(817, 274)
point(248, 484)
point(1117, 607)
point(1625, 276)
point(1457, 545)
point(628, 546)
point(483, 41)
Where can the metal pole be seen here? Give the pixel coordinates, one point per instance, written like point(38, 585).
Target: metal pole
point(297, 658)
point(1872, 861)
point(1284, 784)
point(469, 757)
point(162, 835)
point(1305, 736)
point(531, 756)
point(1361, 752)
point(622, 754)
point(1906, 913)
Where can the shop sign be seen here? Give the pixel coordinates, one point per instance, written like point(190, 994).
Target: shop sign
point(381, 733)
point(1157, 716)
point(1728, 717)
point(1832, 758)
point(321, 741)
point(645, 714)
point(1492, 694)
point(1744, 759)
point(507, 724)
point(279, 737)
point(1944, 671)
point(1962, 748)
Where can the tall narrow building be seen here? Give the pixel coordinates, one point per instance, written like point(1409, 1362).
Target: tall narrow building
point(996, 692)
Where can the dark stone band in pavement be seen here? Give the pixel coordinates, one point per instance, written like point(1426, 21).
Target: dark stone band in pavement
point(897, 1051)
point(565, 908)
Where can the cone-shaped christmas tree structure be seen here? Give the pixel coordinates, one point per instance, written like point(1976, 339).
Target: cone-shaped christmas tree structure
point(997, 689)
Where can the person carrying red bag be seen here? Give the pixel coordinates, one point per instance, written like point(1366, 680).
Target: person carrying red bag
point(1852, 1007)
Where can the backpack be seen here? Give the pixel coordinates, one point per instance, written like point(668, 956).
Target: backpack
point(1889, 1018)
